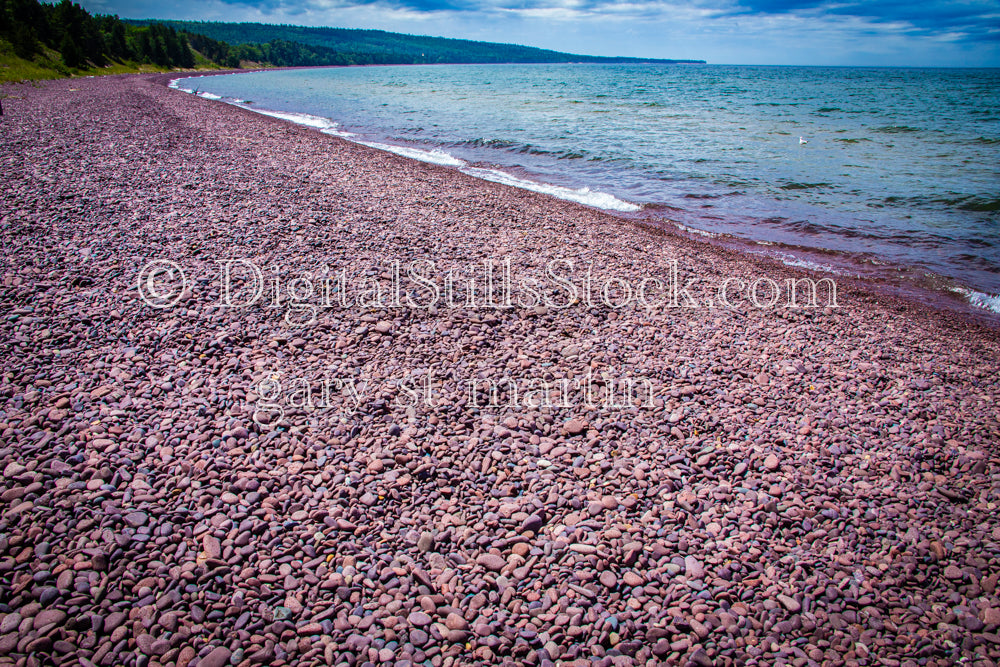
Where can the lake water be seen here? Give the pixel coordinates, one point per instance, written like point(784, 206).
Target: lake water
point(889, 172)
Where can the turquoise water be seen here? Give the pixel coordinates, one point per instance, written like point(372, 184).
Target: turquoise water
point(901, 167)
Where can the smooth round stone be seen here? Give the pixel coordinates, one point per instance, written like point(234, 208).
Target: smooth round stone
point(632, 579)
point(218, 657)
point(455, 622)
point(419, 619)
point(136, 519)
point(491, 562)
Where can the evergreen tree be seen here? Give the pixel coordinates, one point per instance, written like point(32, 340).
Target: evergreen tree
point(23, 41)
point(117, 47)
point(71, 54)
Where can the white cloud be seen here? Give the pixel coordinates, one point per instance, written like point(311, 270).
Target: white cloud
point(720, 31)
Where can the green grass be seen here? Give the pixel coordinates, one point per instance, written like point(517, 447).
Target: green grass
point(201, 62)
point(49, 65)
point(13, 68)
point(42, 66)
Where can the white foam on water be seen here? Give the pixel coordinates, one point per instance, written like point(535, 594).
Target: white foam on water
point(980, 299)
point(585, 196)
point(790, 260)
point(316, 122)
point(692, 230)
point(338, 133)
point(799, 262)
point(176, 85)
point(324, 125)
point(435, 156)
point(806, 264)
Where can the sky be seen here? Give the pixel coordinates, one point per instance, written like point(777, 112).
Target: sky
point(953, 33)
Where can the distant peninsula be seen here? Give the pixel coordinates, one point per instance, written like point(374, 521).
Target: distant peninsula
point(289, 45)
point(39, 40)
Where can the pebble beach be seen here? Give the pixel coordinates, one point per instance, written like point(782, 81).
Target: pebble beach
point(801, 486)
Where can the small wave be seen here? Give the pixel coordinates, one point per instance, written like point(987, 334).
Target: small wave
point(986, 140)
point(981, 205)
point(585, 196)
point(176, 85)
point(435, 156)
point(815, 229)
point(799, 262)
point(316, 122)
point(528, 149)
point(980, 299)
point(896, 129)
point(324, 125)
point(827, 109)
point(337, 133)
point(803, 186)
point(659, 207)
point(977, 261)
point(488, 143)
point(521, 148)
point(692, 230)
point(960, 202)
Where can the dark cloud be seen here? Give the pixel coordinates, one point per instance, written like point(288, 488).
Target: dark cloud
point(914, 31)
point(977, 18)
point(299, 7)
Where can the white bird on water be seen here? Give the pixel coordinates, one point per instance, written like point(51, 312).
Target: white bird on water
point(802, 141)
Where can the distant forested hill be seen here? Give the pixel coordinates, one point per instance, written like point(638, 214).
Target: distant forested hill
point(43, 40)
point(379, 47)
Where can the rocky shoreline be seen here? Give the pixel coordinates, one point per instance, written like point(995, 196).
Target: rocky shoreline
point(804, 485)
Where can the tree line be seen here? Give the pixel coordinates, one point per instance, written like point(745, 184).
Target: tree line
point(80, 38)
point(83, 40)
point(278, 53)
point(336, 46)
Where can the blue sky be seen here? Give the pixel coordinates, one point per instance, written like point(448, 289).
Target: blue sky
point(810, 32)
